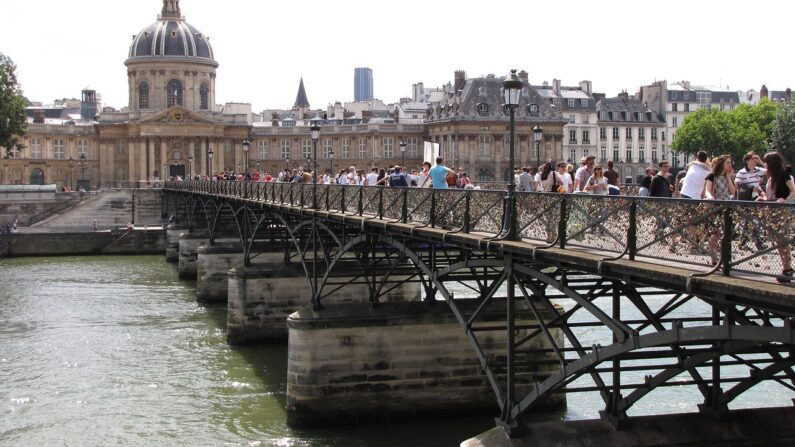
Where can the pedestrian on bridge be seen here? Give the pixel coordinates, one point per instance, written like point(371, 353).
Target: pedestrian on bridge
point(779, 188)
point(439, 173)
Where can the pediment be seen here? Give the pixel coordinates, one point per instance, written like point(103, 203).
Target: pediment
point(177, 115)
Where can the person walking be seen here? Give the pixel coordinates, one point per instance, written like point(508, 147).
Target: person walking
point(611, 175)
point(661, 183)
point(780, 189)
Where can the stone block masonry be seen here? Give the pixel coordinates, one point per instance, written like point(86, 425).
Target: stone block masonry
point(189, 243)
point(354, 361)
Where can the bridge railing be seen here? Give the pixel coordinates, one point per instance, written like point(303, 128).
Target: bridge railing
point(754, 238)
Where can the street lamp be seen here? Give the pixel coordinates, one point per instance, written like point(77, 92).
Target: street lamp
point(315, 132)
point(538, 133)
point(402, 153)
point(246, 145)
point(210, 162)
point(331, 156)
point(511, 91)
point(190, 165)
point(83, 166)
point(71, 171)
point(163, 174)
point(287, 162)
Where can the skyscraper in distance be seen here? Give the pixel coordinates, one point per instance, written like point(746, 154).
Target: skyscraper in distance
point(362, 84)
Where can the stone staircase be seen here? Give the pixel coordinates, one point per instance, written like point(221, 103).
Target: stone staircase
point(111, 209)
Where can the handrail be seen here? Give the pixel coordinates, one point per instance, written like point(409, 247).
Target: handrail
point(725, 236)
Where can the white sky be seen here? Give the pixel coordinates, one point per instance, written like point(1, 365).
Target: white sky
point(264, 47)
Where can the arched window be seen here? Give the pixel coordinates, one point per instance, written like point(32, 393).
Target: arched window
point(174, 93)
point(483, 109)
point(143, 96)
point(203, 102)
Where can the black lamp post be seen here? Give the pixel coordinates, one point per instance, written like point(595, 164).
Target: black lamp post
point(83, 166)
point(190, 166)
point(315, 132)
point(71, 170)
point(287, 162)
point(246, 145)
point(331, 168)
point(210, 162)
point(511, 90)
point(402, 153)
point(538, 133)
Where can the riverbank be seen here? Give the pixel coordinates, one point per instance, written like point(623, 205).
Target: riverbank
point(78, 241)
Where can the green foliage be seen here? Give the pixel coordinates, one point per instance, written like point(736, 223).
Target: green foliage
point(12, 107)
point(783, 135)
point(734, 132)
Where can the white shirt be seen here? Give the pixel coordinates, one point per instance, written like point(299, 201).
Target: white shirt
point(343, 180)
point(693, 183)
point(565, 180)
point(372, 179)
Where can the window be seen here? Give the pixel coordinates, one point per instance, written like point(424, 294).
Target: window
point(58, 147)
point(641, 134)
point(174, 93)
point(602, 115)
point(584, 103)
point(262, 147)
point(285, 145)
point(674, 107)
point(203, 97)
point(532, 109)
point(586, 137)
point(641, 154)
point(35, 148)
point(653, 133)
point(571, 103)
point(603, 133)
point(327, 148)
point(638, 116)
point(121, 147)
point(603, 155)
point(614, 116)
point(389, 147)
point(615, 133)
point(346, 148)
point(629, 133)
point(572, 119)
point(363, 148)
point(628, 155)
point(616, 157)
point(227, 147)
point(306, 148)
point(572, 137)
point(675, 122)
point(82, 147)
point(586, 119)
point(687, 107)
point(143, 96)
point(483, 108)
point(484, 143)
point(411, 147)
point(573, 155)
point(654, 154)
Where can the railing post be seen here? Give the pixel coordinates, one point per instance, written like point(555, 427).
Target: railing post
point(632, 231)
point(381, 202)
point(433, 208)
point(562, 221)
point(361, 201)
point(328, 193)
point(404, 212)
point(467, 215)
point(343, 205)
point(726, 242)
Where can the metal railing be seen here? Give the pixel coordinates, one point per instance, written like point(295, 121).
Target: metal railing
point(750, 238)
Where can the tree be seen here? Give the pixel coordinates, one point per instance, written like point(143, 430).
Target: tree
point(783, 139)
point(13, 122)
point(733, 132)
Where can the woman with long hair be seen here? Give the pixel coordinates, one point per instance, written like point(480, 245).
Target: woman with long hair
point(549, 180)
point(780, 189)
point(597, 184)
point(720, 182)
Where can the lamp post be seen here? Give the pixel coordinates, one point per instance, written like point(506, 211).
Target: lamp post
point(511, 90)
point(190, 166)
point(246, 145)
point(538, 133)
point(83, 166)
point(331, 168)
point(402, 153)
point(315, 133)
point(71, 171)
point(287, 162)
point(210, 162)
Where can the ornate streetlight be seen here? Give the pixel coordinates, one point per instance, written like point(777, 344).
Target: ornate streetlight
point(71, 171)
point(190, 166)
point(402, 153)
point(287, 162)
point(538, 134)
point(210, 162)
point(82, 167)
point(315, 132)
point(331, 156)
point(511, 92)
point(246, 145)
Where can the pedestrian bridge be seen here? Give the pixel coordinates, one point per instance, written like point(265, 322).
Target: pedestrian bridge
point(615, 294)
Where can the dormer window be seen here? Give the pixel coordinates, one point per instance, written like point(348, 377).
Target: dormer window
point(570, 103)
point(602, 115)
point(483, 109)
point(584, 103)
point(532, 109)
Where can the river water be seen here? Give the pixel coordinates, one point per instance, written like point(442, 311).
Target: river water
point(115, 350)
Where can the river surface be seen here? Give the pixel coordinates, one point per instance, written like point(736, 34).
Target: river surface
point(116, 351)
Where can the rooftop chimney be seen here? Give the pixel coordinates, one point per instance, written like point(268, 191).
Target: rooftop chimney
point(460, 80)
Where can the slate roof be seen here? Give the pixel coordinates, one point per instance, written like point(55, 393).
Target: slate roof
point(625, 110)
point(301, 101)
point(171, 36)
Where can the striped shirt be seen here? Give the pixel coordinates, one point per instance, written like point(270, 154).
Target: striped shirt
point(752, 178)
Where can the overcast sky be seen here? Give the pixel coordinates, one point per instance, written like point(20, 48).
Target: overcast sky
point(264, 47)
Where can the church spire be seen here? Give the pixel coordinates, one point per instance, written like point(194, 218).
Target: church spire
point(171, 10)
point(301, 101)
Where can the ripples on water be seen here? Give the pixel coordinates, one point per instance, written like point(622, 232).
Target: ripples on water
point(115, 350)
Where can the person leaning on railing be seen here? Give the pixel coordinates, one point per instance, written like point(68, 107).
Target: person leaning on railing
point(780, 189)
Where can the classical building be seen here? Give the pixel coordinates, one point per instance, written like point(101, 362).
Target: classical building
point(578, 106)
point(472, 127)
point(630, 134)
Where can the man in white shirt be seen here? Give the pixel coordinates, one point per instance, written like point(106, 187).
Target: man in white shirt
point(565, 178)
point(372, 177)
point(584, 172)
point(693, 183)
point(748, 178)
